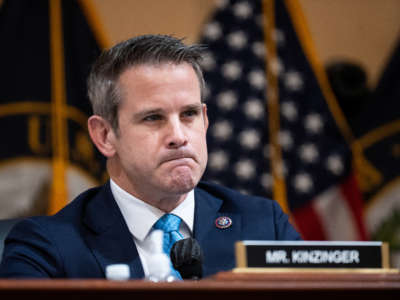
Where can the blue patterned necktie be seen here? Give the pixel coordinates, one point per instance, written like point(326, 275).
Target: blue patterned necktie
point(170, 225)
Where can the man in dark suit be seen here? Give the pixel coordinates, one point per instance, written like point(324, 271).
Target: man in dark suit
point(150, 123)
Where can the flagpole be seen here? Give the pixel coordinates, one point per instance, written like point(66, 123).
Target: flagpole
point(279, 187)
point(58, 193)
point(96, 24)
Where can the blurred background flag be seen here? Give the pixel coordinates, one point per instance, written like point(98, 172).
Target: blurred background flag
point(46, 158)
point(378, 131)
point(276, 129)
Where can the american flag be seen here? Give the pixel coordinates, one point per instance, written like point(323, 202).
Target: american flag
point(272, 131)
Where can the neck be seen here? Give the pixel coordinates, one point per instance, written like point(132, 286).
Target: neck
point(168, 204)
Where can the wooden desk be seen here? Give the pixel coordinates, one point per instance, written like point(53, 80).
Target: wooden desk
point(222, 286)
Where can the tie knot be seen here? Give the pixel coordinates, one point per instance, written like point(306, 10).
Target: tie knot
point(168, 223)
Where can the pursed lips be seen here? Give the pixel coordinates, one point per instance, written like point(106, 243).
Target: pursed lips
point(183, 158)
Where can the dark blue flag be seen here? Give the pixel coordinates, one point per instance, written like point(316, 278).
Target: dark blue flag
point(47, 48)
point(379, 141)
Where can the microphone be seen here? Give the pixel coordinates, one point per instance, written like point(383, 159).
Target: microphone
point(187, 258)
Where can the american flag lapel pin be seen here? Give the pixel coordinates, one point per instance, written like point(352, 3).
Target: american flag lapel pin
point(223, 222)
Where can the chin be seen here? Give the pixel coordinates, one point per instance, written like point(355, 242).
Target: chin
point(182, 185)
point(182, 188)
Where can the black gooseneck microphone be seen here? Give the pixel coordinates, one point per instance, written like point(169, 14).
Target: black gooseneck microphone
point(187, 258)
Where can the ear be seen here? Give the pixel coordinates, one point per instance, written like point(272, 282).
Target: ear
point(205, 117)
point(102, 135)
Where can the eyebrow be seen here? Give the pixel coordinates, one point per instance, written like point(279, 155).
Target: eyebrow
point(147, 112)
point(196, 106)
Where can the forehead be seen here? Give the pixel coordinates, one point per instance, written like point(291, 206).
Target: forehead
point(156, 74)
point(161, 81)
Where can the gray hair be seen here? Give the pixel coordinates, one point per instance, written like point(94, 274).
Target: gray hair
point(103, 89)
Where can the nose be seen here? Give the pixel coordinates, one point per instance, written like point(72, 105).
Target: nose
point(176, 136)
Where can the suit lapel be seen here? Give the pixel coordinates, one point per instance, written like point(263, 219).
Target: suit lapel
point(109, 238)
point(217, 243)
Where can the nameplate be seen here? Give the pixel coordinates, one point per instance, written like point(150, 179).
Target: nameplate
point(312, 254)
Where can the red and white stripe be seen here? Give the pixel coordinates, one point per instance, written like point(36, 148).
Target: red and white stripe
point(336, 214)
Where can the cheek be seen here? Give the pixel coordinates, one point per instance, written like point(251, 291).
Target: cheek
point(144, 146)
point(201, 143)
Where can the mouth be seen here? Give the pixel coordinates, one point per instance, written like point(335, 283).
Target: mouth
point(184, 164)
point(179, 158)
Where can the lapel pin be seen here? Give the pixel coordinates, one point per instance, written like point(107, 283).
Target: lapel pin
point(223, 222)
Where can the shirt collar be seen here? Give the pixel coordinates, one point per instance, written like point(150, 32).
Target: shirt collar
point(141, 216)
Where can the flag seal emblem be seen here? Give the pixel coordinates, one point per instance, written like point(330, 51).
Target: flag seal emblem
point(223, 222)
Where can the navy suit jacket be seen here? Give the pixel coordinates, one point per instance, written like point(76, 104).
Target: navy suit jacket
point(90, 233)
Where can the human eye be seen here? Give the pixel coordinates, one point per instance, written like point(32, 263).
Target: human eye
point(190, 113)
point(152, 118)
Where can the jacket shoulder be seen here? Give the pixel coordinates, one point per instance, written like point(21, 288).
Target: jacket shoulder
point(262, 218)
point(75, 210)
point(233, 198)
point(48, 246)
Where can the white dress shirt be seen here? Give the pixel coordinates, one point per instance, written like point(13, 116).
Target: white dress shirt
point(141, 216)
